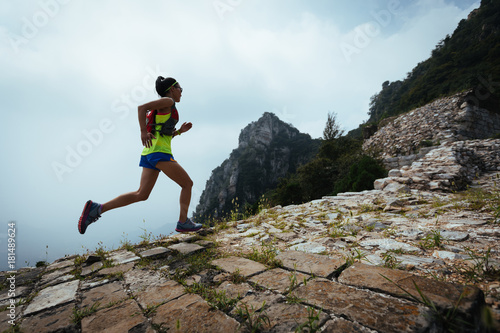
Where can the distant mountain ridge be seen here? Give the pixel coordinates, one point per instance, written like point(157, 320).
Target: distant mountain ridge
point(268, 150)
point(468, 59)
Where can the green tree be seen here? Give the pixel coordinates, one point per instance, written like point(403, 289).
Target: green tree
point(332, 129)
point(337, 161)
point(361, 176)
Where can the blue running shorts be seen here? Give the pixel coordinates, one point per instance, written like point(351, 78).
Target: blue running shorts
point(149, 161)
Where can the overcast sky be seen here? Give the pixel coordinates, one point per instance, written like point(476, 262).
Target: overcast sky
point(73, 73)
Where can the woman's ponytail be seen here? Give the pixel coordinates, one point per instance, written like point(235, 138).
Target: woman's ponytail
point(163, 84)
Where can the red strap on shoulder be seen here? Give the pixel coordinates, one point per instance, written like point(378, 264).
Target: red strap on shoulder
point(174, 113)
point(150, 120)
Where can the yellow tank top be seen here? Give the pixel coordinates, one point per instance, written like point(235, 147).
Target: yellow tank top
point(162, 143)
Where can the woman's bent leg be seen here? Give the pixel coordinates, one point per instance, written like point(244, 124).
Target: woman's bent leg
point(175, 172)
point(148, 181)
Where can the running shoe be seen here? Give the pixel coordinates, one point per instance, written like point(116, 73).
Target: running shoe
point(187, 226)
point(90, 214)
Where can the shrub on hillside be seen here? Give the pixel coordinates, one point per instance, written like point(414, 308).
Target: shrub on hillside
point(361, 176)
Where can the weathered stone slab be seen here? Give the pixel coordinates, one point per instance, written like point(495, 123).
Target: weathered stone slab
point(139, 279)
point(309, 247)
point(160, 293)
point(116, 269)
point(375, 225)
point(123, 317)
point(396, 188)
point(206, 244)
point(394, 173)
point(416, 261)
point(186, 248)
point(372, 259)
point(378, 312)
point(53, 296)
point(56, 277)
point(489, 232)
point(443, 295)
point(91, 269)
point(155, 253)
point(57, 280)
point(246, 267)
point(467, 221)
point(389, 244)
point(287, 317)
point(250, 232)
point(104, 295)
point(190, 313)
point(61, 264)
point(313, 264)
point(270, 229)
point(92, 284)
point(340, 325)
point(286, 236)
point(235, 290)
point(123, 257)
point(243, 226)
point(414, 233)
point(52, 320)
point(454, 235)
point(449, 255)
point(255, 302)
point(278, 279)
point(249, 242)
point(185, 237)
point(192, 280)
point(295, 241)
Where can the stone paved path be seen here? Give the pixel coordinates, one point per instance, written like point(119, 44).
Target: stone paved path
point(375, 261)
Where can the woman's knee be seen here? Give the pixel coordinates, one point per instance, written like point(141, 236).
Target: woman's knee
point(188, 183)
point(142, 195)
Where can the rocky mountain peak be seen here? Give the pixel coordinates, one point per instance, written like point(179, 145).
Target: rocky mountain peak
point(268, 150)
point(261, 133)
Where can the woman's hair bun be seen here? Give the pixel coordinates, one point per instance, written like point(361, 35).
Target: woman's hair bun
point(163, 84)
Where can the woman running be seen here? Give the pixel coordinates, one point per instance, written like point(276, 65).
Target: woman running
point(156, 156)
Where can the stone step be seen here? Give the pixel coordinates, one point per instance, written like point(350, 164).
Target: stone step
point(123, 317)
point(191, 313)
point(370, 309)
point(397, 283)
point(312, 264)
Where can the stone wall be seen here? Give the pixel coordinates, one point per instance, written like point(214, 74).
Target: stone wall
point(449, 167)
point(440, 146)
point(411, 136)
